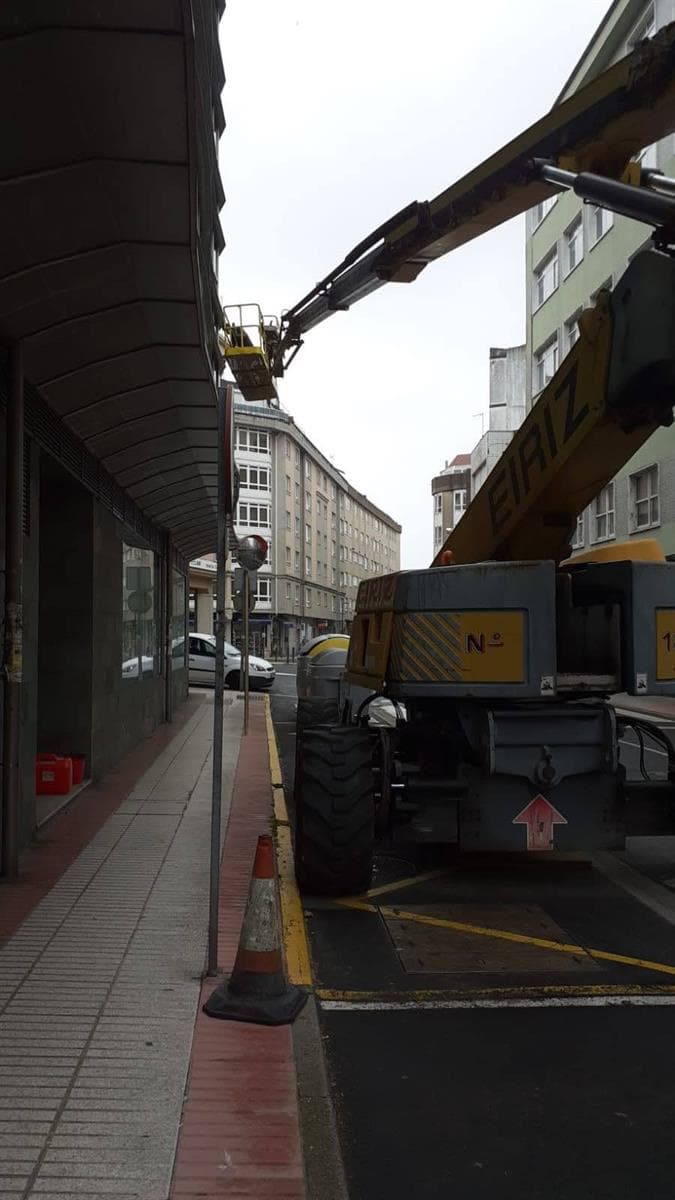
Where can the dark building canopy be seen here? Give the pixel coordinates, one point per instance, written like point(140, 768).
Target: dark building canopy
point(109, 200)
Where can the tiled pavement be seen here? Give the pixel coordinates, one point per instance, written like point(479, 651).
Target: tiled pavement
point(99, 989)
point(239, 1138)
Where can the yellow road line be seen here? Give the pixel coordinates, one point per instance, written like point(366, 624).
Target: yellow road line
point(275, 766)
point(505, 935)
point(280, 810)
point(293, 930)
point(296, 947)
point(420, 995)
point(409, 881)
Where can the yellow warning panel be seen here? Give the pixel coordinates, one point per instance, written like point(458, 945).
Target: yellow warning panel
point(459, 647)
point(493, 646)
point(665, 643)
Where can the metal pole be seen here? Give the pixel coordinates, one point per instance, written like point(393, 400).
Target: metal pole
point(244, 657)
point(219, 683)
point(13, 650)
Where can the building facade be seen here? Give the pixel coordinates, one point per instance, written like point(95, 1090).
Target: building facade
point(451, 492)
point(324, 537)
point(575, 250)
point(506, 410)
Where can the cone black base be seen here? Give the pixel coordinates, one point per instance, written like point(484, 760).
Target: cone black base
point(279, 1009)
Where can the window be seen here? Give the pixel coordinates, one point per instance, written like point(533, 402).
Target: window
point(332, 491)
point(297, 527)
point(334, 575)
point(333, 521)
point(308, 534)
point(288, 556)
point(297, 456)
point(318, 568)
point(297, 562)
point(288, 591)
point(297, 491)
point(288, 485)
point(318, 508)
point(308, 596)
point(297, 593)
point(308, 469)
point(140, 641)
point(178, 608)
point(574, 244)
point(459, 503)
point(308, 565)
point(545, 364)
point(603, 514)
point(288, 451)
point(604, 287)
point(257, 478)
point(256, 441)
point(601, 220)
point(542, 210)
point(644, 499)
point(288, 519)
point(308, 501)
point(256, 516)
point(572, 330)
point(261, 588)
point(438, 503)
point(645, 28)
point(325, 511)
point(579, 532)
point(545, 279)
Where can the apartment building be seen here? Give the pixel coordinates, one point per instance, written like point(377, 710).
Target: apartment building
point(324, 536)
point(575, 250)
point(458, 482)
point(506, 411)
point(451, 492)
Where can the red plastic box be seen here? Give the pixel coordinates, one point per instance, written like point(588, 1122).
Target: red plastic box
point(53, 775)
point(78, 761)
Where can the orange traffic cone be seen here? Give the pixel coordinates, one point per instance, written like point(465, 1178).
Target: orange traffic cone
point(257, 990)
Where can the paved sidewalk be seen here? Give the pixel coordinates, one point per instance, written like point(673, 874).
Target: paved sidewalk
point(653, 706)
point(99, 990)
point(239, 1137)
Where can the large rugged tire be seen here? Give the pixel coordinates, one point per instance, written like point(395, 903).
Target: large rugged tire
point(334, 810)
point(316, 712)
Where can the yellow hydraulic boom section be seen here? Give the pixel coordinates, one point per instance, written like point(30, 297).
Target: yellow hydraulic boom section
point(612, 391)
point(595, 133)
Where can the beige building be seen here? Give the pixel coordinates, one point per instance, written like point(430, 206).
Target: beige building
point(451, 492)
point(324, 536)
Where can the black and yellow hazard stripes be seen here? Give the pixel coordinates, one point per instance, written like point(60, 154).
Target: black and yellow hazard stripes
point(459, 647)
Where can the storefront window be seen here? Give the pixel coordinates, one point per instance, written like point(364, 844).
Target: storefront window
point(140, 657)
point(178, 646)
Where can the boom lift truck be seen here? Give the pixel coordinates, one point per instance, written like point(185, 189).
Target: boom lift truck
point(504, 653)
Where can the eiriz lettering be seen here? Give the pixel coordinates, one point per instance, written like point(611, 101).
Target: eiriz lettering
point(525, 465)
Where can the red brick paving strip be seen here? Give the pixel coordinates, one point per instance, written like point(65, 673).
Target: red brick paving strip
point(44, 862)
point(239, 1136)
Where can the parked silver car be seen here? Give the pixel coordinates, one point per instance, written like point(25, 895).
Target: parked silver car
point(202, 664)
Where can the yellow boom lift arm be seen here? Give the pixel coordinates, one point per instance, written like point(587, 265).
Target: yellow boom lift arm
point(577, 435)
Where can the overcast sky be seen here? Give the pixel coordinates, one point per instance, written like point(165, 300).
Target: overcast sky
point(339, 114)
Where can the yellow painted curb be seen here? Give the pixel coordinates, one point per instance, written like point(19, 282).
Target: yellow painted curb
point(293, 929)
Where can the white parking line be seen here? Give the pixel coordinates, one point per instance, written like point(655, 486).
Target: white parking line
point(636, 746)
point(620, 1001)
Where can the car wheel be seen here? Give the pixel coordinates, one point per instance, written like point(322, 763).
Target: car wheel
point(232, 681)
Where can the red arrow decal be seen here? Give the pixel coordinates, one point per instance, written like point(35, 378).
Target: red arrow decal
point(540, 816)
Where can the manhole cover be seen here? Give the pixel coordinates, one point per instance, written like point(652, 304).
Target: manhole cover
point(435, 949)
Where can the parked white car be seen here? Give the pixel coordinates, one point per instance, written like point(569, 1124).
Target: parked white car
point(202, 665)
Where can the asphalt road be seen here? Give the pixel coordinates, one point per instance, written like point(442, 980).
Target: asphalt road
point(470, 1066)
